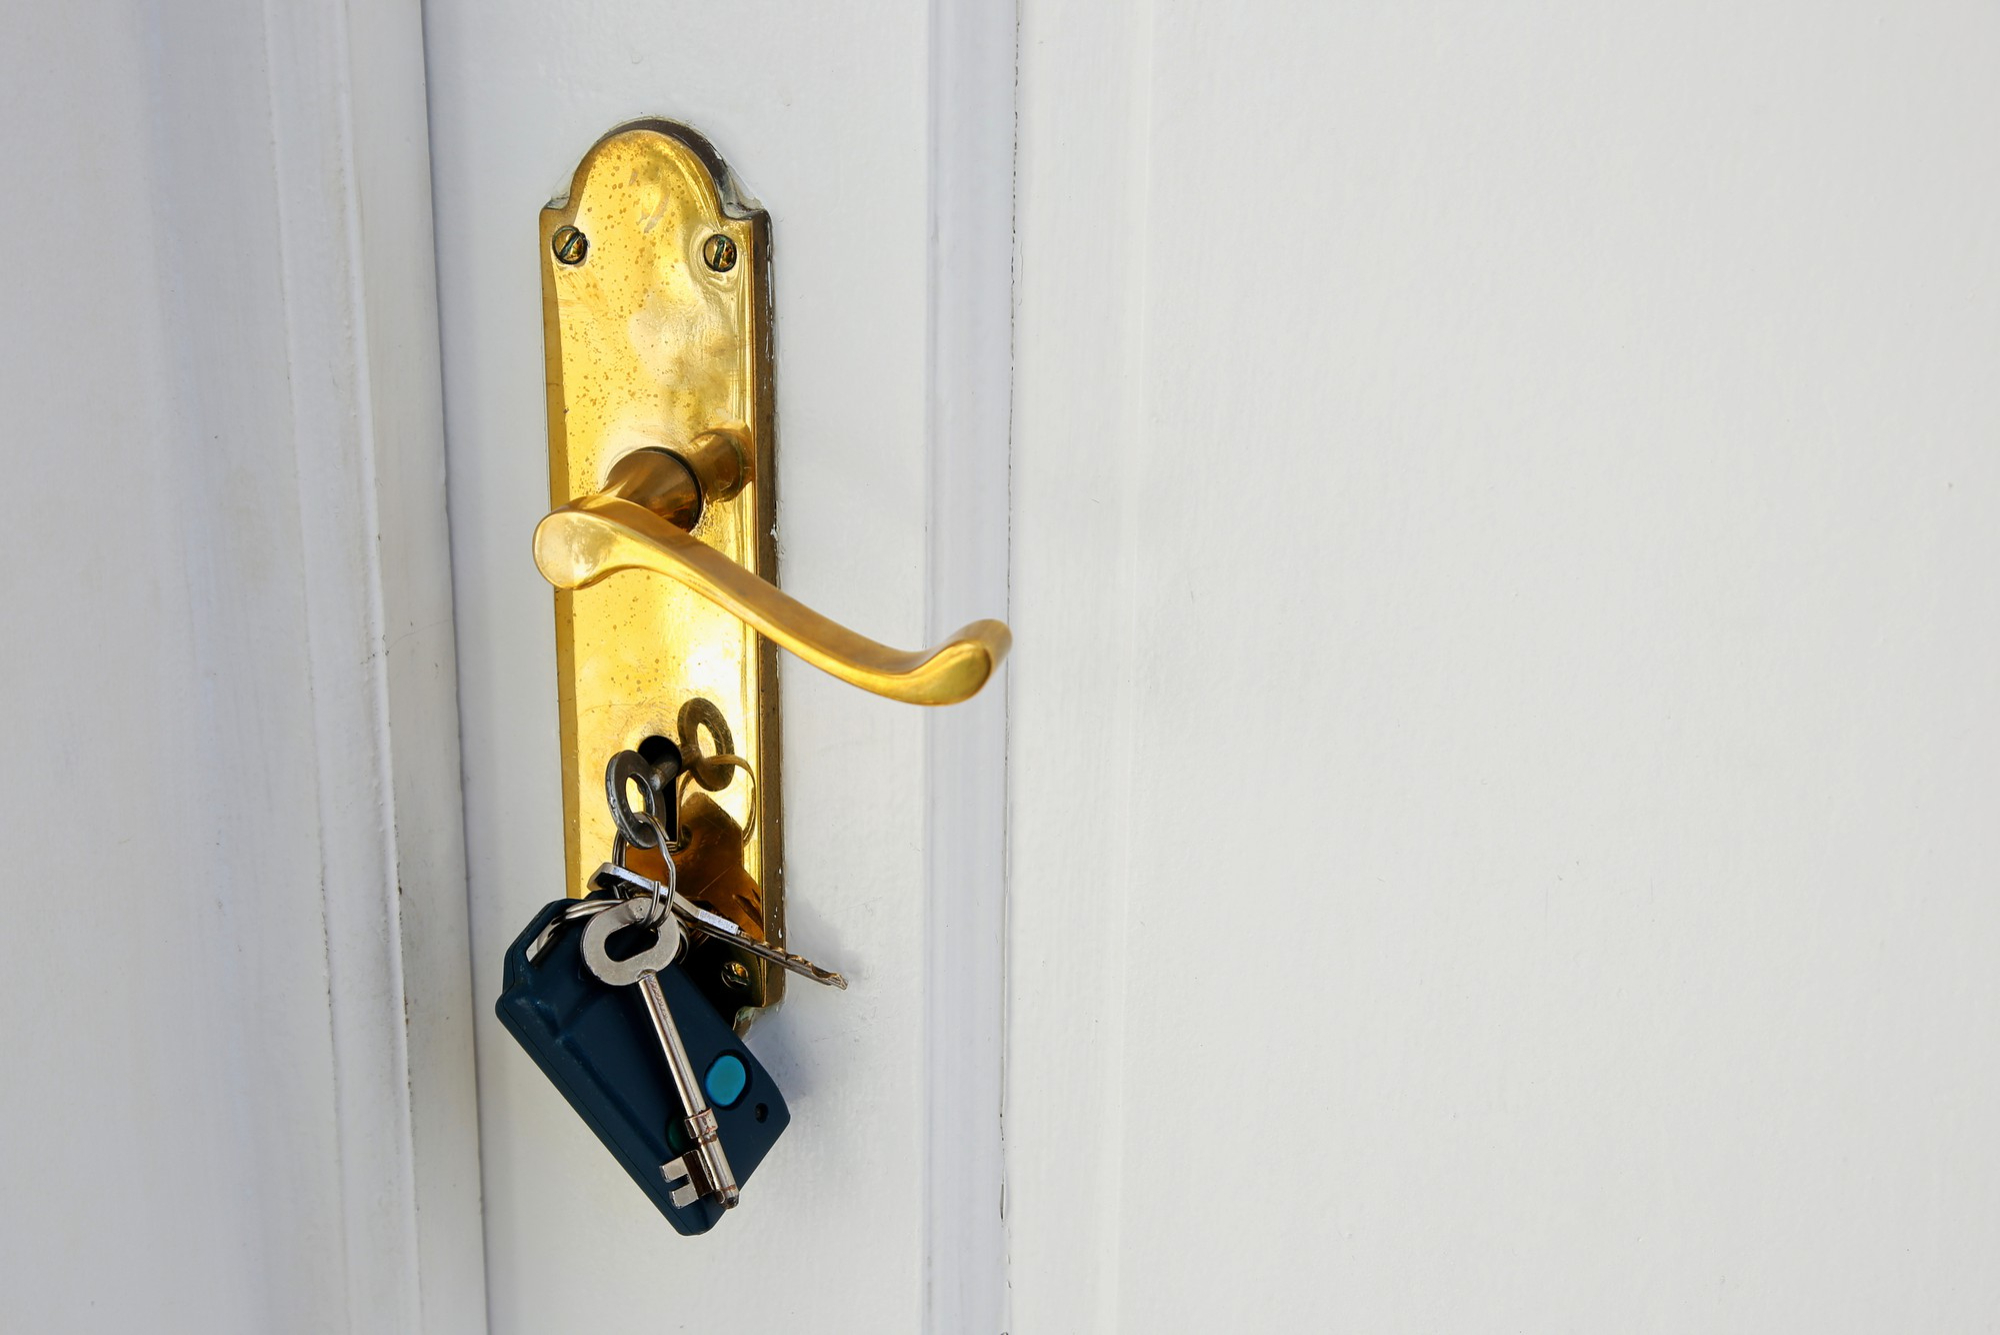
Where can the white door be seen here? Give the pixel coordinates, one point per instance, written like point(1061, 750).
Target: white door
point(1489, 822)
point(1503, 735)
point(1498, 754)
point(881, 1208)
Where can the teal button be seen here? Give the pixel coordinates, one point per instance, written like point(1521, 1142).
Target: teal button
point(726, 1080)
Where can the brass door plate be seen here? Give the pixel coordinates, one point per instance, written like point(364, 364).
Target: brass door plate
point(657, 322)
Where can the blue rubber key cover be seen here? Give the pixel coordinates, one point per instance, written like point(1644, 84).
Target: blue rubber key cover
point(596, 1043)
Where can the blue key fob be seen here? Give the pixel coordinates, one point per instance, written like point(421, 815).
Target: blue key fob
point(597, 1044)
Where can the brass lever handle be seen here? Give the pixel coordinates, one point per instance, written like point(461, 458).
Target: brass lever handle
point(640, 521)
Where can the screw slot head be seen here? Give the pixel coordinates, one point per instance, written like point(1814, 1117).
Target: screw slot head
point(735, 975)
point(569, 245)
point(719, 252)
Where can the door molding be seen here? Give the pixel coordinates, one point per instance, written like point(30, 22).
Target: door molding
point(351, 157)
point(971, 374)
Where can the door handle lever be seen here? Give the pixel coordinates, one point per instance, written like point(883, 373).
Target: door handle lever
point(640, 521)
point(657, 314)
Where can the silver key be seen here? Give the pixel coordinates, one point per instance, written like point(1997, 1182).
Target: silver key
point(704, 1170)
point(694, 917)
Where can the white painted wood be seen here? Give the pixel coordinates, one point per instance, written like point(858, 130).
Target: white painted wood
point(972, 63)
point(827, 114)
point(1506, 501)
point(353, 171)
point(241, 1094)
point(1504, 504)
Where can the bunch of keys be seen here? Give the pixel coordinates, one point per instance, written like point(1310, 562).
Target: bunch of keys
point(628, 884)
point(665, 1074)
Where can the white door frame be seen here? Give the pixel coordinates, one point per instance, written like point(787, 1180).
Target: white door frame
point(972, 85)
point(351, 157)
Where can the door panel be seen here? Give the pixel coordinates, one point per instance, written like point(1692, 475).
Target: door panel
point(1503, 543)
point(823, 113)
point(239, 1087)
point(1498, 502)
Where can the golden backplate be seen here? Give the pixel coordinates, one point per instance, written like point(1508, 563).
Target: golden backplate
point(654, 336)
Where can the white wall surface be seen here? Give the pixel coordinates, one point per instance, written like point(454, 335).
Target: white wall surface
point(1504, 721)
point(238, 1091)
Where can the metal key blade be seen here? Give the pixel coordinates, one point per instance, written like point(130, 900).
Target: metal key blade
point(611, 876)
point(704, 1165)
point(716, 1173)
point(712, 924)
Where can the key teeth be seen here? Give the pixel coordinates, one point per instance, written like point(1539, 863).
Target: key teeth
point(679, 1170)
point(694, 917)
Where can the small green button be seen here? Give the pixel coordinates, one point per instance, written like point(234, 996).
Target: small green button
point(726, 1080)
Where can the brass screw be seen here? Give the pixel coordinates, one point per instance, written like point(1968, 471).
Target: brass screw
point(735, 975)
point(569, 245)
point(720, 252)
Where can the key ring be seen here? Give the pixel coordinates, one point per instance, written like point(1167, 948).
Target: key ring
point(663, 902)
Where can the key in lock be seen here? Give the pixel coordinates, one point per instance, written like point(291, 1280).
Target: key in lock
point(707, 846)
point(710, 873)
